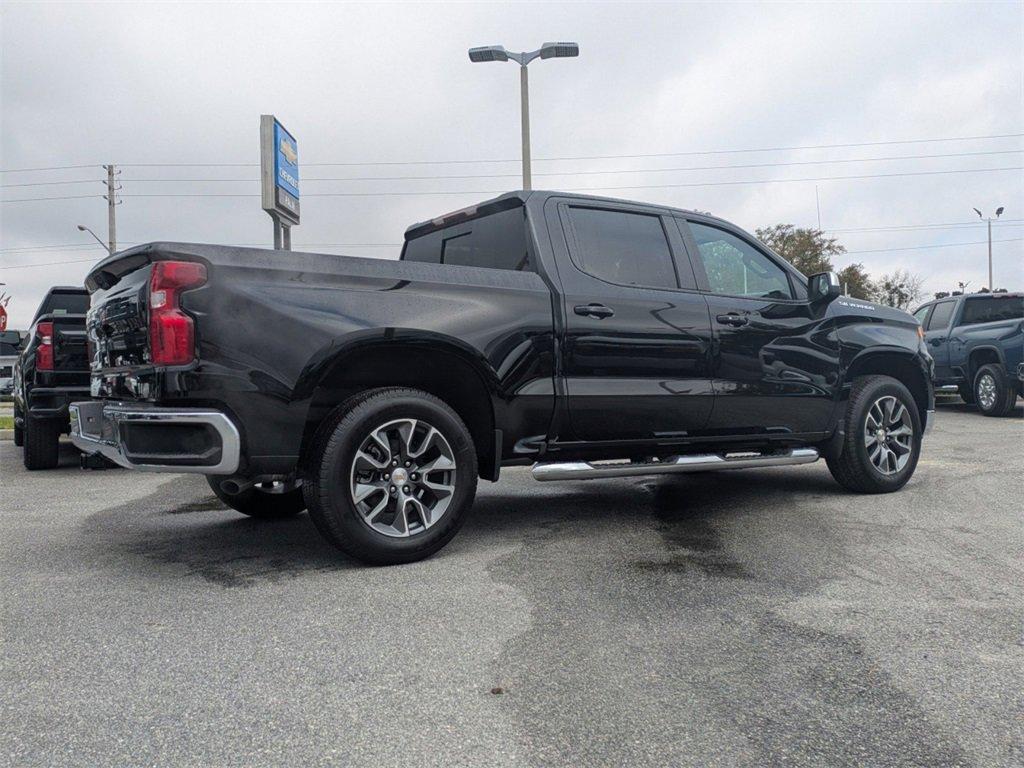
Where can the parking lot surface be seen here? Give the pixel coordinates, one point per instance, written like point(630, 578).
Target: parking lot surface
point(749, 618)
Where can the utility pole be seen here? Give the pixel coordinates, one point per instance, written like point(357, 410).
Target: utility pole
point(999, 212)
point(112, 203)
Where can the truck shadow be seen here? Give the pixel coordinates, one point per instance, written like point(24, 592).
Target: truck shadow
point(196, 536)
point(958, 406)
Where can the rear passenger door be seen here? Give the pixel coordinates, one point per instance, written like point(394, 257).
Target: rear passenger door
point(635, 348)
point(775, 364)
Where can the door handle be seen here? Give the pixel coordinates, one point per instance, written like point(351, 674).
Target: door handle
point(600, 311)
point(732, 319)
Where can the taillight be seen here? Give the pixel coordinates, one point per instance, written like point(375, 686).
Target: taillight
point(172, 333)
point(44, 351)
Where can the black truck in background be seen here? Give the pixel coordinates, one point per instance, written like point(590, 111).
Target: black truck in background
point(51, 371)
point(585, 336)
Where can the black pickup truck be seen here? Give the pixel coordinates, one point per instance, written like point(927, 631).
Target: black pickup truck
point(51, 371)
point(587, 337)
point(977, 342)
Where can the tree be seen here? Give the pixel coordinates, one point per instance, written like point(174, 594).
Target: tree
point(900, 289)
point(809, 250)
point(856, 283)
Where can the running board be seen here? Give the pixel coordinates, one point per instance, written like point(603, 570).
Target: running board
point(583, 470)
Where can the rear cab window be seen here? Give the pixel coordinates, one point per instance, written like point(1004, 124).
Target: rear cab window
point(992, 309)
point(495, 241)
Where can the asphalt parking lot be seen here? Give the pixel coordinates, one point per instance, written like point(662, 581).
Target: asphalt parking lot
point(752, 618)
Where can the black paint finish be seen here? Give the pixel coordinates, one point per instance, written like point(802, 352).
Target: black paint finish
point(565, 363)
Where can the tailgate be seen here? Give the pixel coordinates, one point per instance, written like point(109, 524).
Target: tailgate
point(69, 344)
point(117, 323)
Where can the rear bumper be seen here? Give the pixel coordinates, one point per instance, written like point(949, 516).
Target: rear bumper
point(156, 439)
point(53, 402)
point(929, 421)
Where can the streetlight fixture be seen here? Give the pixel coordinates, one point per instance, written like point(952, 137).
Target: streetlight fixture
point(999, 212)
point(546, 51)
point(82, 228)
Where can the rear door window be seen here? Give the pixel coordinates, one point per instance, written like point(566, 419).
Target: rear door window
point(622, 247)
point(992, 309)
point(922, 313)
point(941, 314)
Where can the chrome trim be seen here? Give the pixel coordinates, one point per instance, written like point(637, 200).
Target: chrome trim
point(929, 421)
point(584, 470)
point(96, 428)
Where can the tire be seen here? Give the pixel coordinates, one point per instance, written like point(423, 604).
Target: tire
point(19, 432)
point(258, 503)
point(425, 510)
point(966, 393)
point(994, 393)
point(854, 467)
point(42, 443)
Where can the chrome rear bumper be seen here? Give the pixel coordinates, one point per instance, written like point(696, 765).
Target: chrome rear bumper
point(192, 440)
point(929, 421)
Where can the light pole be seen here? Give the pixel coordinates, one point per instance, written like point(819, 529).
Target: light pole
point(999, 212)
point(546, 51)
point(106, 247)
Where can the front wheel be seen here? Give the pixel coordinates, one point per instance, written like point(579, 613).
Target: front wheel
point(264, 501)
point(882, 440)
point(993, 391)
point(391, 476)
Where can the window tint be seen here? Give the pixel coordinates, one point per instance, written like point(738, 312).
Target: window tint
point(922, 313)
point(941, 314)
point(624, 248)
point(737, 268)
point(989, 310)
point(497, 241)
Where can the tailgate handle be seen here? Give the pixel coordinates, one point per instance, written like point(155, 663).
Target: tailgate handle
point(732, 319)
point(599, 311)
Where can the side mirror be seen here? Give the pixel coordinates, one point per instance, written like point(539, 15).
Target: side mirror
point(823, 287)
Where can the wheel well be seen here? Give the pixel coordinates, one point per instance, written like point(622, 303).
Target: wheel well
point(444, 374)
point(978, 358)
point(900, 367)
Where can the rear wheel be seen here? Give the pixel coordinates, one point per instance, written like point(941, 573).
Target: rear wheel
point(42, 443)
point(882, 440)
point(993, 390)
point(392, 476)
point(266, 501)
point(19, 431)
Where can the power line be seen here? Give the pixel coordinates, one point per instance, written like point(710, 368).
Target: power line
point(934, 245)
point(52, 168)
point(589, 189)
point(577, 157)
point(546, 173)
point(66, 197)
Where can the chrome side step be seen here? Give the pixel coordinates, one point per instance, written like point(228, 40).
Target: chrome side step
point(584, 470)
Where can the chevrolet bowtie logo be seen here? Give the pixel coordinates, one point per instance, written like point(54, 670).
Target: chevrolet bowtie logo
point(289, 151)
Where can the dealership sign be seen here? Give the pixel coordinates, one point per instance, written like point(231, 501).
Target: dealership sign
point(279, 171)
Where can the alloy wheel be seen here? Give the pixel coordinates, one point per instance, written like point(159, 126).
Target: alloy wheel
point(986, 391)
point(402, 478)
point(888, 435)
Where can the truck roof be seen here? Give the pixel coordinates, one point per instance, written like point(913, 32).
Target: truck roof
point(517, 198)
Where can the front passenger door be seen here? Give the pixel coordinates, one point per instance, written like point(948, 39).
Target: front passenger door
point(775, 366)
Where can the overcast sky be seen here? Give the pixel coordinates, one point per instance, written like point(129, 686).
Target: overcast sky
point(85, 84)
